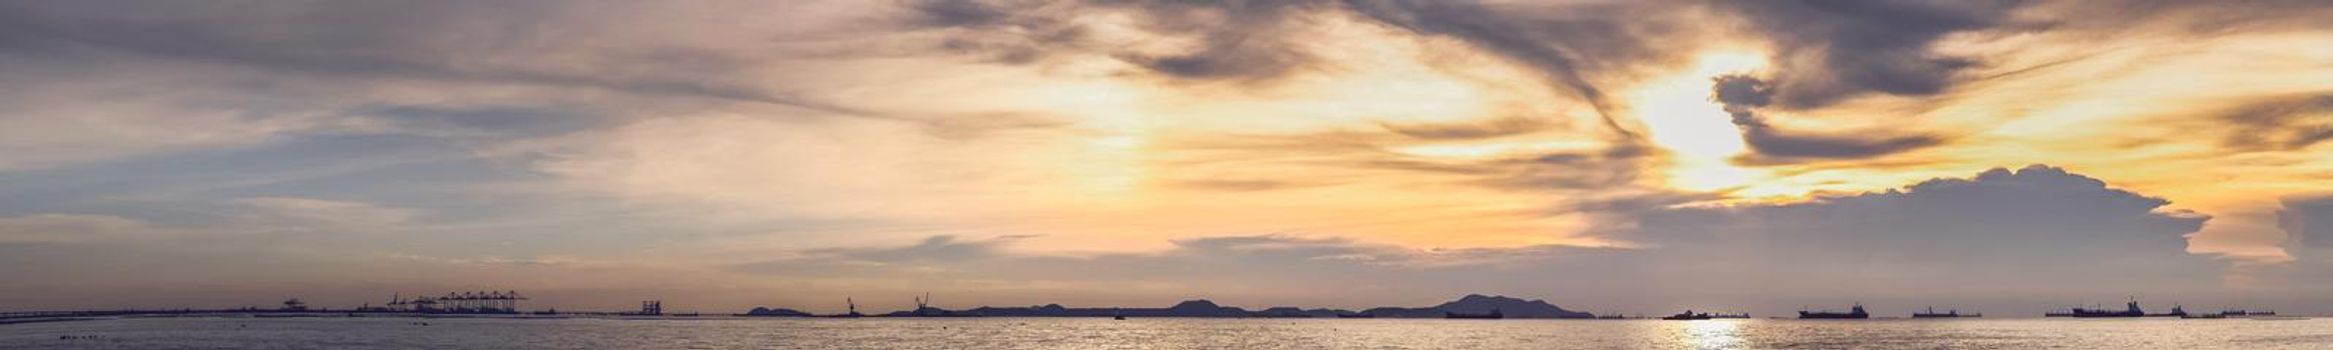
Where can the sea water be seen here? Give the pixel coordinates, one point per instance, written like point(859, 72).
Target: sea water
point(1158, 333)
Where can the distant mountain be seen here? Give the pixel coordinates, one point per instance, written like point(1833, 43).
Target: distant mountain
point(1470, 304)
point(1480, 304)
point(1290, 312)
point(1192, 308)
point(769, 312)
point(1204, 308)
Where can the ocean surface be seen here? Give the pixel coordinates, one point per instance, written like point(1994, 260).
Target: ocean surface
point(1162, 333)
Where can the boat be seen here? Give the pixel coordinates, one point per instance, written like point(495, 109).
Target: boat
point(2130, 310)
point(2204, 316)
point(285, 315)
point(1744, 315)
point(2176, 311)
point(2245, 313)
point(1120, 318)
point(1688, 315)
point(1853, 313)
point(1493, 315)
point(1931, 313)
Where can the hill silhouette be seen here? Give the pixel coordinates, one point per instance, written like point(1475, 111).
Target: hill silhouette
point(1469, 304)
point(769, 312)
point(1481, 304)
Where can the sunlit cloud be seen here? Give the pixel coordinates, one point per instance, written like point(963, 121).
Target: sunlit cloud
point(1070, 149)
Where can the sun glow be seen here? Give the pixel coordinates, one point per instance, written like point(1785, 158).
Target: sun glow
point(1708, 334)
point(1680, 117)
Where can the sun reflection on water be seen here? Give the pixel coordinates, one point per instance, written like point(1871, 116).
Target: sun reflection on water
point(1710, 334)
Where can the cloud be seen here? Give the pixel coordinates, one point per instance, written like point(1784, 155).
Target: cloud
point(1494, 128)
point(491, 260)
point(1229, 41)
point(1238, 185)
point(295, 210)
point(934, 248)
point(1264, 41)
point(2034, 227)
point(2308, 227)
point(69, 228)
point(1743, 95)
point(1318, 146)
point(957, 13)
point(486, 43)
point(2030, 237)
point(76, 113)
point(1564, 48)
point(1264, 261)
point(174, 78)
point(2286, 124)
point(745, 168)
point(2307, 224)
point(1832, 50)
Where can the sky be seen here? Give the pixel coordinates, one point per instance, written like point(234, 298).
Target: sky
point(1614, 156)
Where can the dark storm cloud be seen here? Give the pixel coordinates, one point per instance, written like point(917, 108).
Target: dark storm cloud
point(1832, 50)
point(2281, 124)
point(1744, 95)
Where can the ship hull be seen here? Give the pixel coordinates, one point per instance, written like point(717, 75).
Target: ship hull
point(2115, 315)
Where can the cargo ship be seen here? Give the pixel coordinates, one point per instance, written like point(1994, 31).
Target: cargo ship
point(1853, 313)
point(1931, 313)
point(2246, 313)
point(2176, 311)
point(2129, 310)
point(1688, 315)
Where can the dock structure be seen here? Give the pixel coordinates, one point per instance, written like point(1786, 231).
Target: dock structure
point(474, 302)
point(650, 308)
